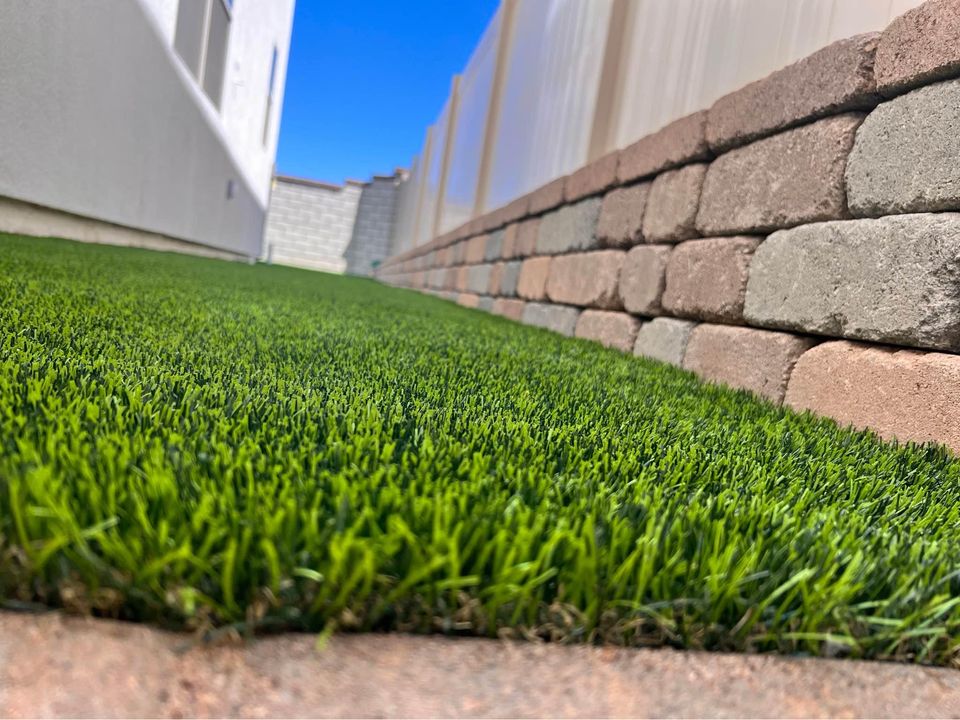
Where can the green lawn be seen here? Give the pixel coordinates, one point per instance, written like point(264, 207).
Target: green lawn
point(201, 443)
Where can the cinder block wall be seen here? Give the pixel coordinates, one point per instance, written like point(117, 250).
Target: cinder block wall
point(310, 223)
point(799, 239)
point(373, 229)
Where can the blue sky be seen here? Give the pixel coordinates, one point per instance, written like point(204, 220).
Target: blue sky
point(366, 78)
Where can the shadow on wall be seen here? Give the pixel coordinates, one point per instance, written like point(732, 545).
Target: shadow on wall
point(335, 228)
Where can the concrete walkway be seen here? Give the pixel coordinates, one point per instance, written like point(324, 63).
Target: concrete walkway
point(56, 666)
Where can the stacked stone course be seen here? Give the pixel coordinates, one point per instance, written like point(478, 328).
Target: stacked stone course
point(762, 243)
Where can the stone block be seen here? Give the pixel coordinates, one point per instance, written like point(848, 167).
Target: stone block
point(707, 279)
point(756, 360)
point(592, 179)
point(615, 330)
point(511, 309)
point(495, 274)
point(589, 279)
point(664, 339)
point(789, 179)
point(478, 278)
point(919, 47)
point(485, 303)
point(671, 214)
point(621, 216)
point(835, 79)
point(476, 250)
point(527, 232)
point(493, 250)
point(900, 394)
point(509, 249)
point(532, 282)
point(893, 279)
point(460, 284)
point(509, 279)
point(547, 197)
point(905, 155)
point(558, 318)
point(642, 278)
point(469, 300)
point(572, 227)
point(678, 143)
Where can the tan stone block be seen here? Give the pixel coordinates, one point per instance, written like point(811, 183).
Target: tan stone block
point(707, 279)
point(900, 394)
point(588, 279)
point(615, 330)
point(756, 360)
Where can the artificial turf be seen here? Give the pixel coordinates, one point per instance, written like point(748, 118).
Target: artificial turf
point(203, 444)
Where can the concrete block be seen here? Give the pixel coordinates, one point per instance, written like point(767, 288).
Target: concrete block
point(463, 278)
point(590, 279)
point(707, 279)
point(469, 300)
point(592, 179)
point(642, 278)
point(678, 143)
point(478, 278)
point(615, 330)
point(512, 309)
point(905, 155)
point(892, 279)
point(450, 278)
point(756, 360)
point(919, 47)
point(547, 197)
point(527, 232)
point(485, 303)
point(572, 227)
point(493, 250)
point(835, 79)
point(509, 249)
point(476, 250)
point(437, 277)
point(509, 279)
point(621, 216)
point(789, 179)
point(664, 339)
point(559, 318)
point(496, 271)
point(671, 214)
point(532, 282)
point(900, 394)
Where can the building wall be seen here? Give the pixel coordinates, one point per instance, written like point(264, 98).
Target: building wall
point(310, 224)
point(373, 229)
point(101, 120)
point(797, 239)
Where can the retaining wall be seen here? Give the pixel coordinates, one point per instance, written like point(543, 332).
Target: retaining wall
point(799, 239)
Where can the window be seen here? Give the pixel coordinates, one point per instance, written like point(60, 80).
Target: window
point(273, 75)
point(203, 31)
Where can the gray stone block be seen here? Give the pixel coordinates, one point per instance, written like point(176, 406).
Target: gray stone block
point(485, 303)
point(509, 278)
point(494, 246)
point(671, 213)
point(572, 227)
point(894, 280)
point(558, 318)
point(478, 279)
point(664, 339)
point(905, 158)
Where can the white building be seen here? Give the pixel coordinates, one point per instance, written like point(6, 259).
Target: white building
point(142, 122)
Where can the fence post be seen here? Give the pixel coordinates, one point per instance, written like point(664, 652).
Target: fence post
point(508, 12)
point(616, 49)
point(425, 158)
point(447, 152)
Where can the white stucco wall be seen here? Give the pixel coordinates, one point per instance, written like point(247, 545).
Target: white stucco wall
point(101, 119)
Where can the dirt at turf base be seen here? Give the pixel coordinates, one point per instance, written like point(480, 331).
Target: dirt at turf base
point(51, 665)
